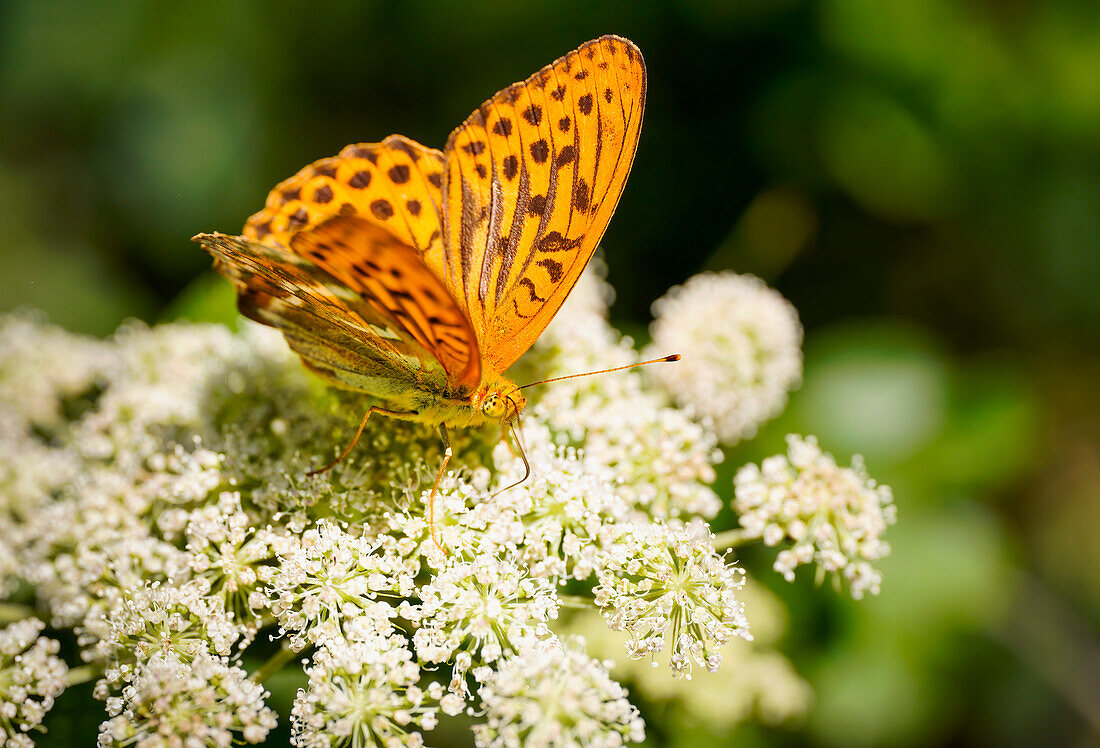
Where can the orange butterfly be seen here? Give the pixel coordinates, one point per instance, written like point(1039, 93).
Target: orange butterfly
point(419, 276)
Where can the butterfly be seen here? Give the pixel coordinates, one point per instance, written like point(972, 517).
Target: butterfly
point(419, 276)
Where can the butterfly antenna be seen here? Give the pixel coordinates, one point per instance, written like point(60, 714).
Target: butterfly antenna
point(663, 359)
point(517, 436)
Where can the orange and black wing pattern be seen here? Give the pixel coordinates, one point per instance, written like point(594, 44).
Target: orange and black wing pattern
point(392, 278)
point(395, 184)
point(394, 265)
point(532, 179)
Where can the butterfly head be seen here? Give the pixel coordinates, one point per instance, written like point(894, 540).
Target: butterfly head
point(502, 403)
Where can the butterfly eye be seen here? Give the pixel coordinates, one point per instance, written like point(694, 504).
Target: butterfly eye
point(493, 407)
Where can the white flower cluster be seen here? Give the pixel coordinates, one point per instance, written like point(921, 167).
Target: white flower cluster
point(167, 621)
point(54, 369)
point(555, 695)
point(755, 681)
point(661, 583)
point(206, 700)
point(229, 555)
point(659, 459)
point(481, 608)
point(835, 516)
point(326, 583)
point(31, 677)
point(154, 499)
point(741, 344)
point(364, 693)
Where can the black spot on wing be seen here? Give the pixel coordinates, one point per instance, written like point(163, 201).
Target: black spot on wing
point(399, 174)
point(533, 115)
point(552, 267)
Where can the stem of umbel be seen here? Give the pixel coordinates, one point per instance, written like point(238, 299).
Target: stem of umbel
point(274, 664)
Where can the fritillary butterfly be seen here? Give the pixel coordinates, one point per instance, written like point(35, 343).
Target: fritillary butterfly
point(417, 275)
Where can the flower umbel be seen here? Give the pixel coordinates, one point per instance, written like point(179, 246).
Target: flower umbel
point(835, 516)
point(207, 700)
point(481, 609)
point(178, 622)
point(155, 501)
point(554, 695)
point(664, 584)
point(364, 693)
point(329, 580)
point(31, 677)
point(742, 350)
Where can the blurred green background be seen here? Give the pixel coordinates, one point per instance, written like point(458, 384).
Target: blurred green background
point(921, 178)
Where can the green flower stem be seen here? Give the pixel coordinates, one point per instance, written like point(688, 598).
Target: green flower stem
point(10, 612)
point(576, 601)
point(730, 539)
point(274, 664)
point(1058, 646)
point(83, 674)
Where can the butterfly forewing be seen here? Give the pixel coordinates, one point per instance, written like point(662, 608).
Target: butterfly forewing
point(395, 184)
point(532, 178)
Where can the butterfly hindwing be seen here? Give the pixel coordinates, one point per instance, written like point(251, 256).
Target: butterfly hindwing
point(532, 178)
point(391, 277)
point(395, 184)
point(338, 333)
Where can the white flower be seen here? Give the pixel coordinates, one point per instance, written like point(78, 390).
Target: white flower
point(755, 681)
point(235, 557)
point(555, 521)
point(206, 700)
point(327, 584)
point(32, 471)
point(560, 518)
point(85, 550)
point(158, 389)
point(31, 474)
point(180, 622)
point(410, 530)
point(31, 677)
point(834, 516)
point(44, 369)
point(741, 346)
point(551, 695)
point(154, 496)
point(364, 693)
point(662, 584)
point(474, 612)
point(660, 460)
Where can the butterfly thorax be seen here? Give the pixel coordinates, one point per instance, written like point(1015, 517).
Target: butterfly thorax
point(496, 400)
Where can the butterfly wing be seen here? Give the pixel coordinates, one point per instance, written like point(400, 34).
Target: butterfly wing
point(532, 178)
point(395, 184)
point(394, 281)
point(348, 335)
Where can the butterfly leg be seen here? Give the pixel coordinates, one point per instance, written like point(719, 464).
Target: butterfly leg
point(359, 433)
point(435, 488)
